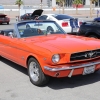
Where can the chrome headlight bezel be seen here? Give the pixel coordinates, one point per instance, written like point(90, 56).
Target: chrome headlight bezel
point(55, 58)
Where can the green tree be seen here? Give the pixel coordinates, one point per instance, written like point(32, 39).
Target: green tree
point(76, 3)
point(58, 0)
point(92, 2)
point(61, 4)
point(19, 3)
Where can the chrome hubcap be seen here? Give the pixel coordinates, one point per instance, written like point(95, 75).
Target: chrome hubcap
point(34, 71)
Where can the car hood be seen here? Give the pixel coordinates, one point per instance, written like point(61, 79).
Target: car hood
point(37, 12)
point(64, 43)
point(2, 15)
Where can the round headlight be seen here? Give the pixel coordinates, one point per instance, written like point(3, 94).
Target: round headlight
point(55, 58)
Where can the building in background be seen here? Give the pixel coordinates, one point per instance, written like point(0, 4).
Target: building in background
point(49, 3)
point(1, 7)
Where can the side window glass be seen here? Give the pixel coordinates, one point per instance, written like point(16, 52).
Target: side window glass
point(42, 17)
point(49, 18)
point(45, 17)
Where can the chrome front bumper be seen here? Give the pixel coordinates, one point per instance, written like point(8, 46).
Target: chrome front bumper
point(70, 67)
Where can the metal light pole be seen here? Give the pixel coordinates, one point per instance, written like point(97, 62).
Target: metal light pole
point(63, 6)
point(41, 3)
point(90, 8)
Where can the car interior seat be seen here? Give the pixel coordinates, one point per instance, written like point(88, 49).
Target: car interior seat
point(30, 32)
point(2, 32)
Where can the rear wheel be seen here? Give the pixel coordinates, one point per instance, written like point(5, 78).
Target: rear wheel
point(97, 71)
point(8, 23)
point(93, 36)
point(37, 77)
point(50, 29)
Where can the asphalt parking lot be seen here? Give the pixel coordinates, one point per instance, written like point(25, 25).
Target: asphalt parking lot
point(15, 84)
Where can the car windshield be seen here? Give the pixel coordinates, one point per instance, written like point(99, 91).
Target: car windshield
point(29, 14)
point(37, 28)
point(62, 16)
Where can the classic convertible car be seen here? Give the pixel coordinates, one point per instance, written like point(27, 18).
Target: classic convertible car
point(46, 50)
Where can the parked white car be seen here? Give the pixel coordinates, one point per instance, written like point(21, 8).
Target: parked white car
point(68, 23)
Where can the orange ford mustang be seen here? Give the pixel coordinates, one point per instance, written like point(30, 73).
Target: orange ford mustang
point(46, 50)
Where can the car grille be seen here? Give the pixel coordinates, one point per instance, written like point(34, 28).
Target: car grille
point(3, 18)
point(85, 55)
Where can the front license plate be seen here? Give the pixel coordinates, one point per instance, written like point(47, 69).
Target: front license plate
point(88, 70)
point(75, 29)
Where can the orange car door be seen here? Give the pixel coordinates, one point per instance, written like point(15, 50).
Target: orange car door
point(13, 49)
point(6, 47)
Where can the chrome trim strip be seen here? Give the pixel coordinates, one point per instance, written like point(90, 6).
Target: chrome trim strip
point(70, 67)
point(87, 50)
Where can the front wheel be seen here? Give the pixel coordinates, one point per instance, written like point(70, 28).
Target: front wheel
point(37, 77)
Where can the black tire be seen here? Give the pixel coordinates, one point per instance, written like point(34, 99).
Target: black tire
point(36, 75)
point(97, 71)
point(7, 23)
point(93, 36)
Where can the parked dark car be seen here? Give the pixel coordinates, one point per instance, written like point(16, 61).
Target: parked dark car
point(90, 29)
point(31, 16)
point(4, 19)
point(25, 16)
